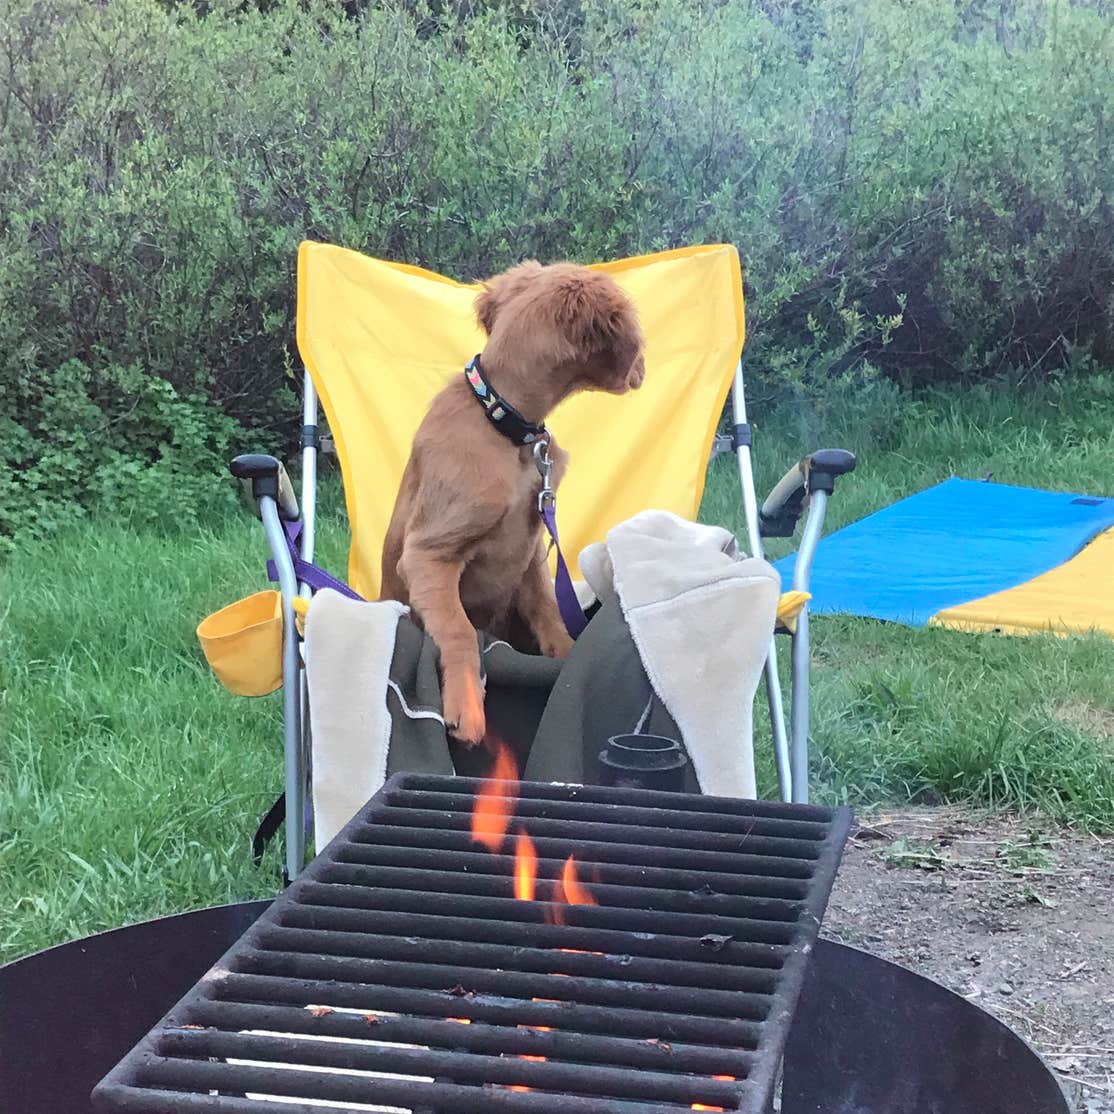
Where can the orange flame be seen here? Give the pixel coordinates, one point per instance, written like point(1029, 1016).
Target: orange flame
point(567, 890)
point(520, 1086)
point(525, 867)
point(491, 814)
point(573, 892)
point(723, 1079)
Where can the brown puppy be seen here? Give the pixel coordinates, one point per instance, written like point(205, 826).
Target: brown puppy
point(465, 547)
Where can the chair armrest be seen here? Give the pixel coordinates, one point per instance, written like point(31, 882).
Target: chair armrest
point(818, 471)
point(264, 476)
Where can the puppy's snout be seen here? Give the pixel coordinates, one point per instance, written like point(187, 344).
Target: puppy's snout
point(636, 374)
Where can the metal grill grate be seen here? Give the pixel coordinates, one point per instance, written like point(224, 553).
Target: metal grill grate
point(399, 972)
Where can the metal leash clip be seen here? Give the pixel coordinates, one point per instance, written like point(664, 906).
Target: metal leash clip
point(544, 463)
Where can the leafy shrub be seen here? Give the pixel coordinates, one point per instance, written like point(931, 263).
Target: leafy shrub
point(921, 189)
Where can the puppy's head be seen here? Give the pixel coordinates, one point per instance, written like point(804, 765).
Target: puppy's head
point(564, 321)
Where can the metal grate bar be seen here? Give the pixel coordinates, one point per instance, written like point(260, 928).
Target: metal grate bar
point(553, 1012)
point(477, 1069)
point(474, 1036)
point(167, 1072)
point(400, 972)
point(702, 899)
point(536, 935)
point(152, 1100)
point(341, 969)
point(595, 850)
point(675, 819)
point(587, 916)
point(598, 965)
point(780, 852)
point(611, 797)
point(384, 854)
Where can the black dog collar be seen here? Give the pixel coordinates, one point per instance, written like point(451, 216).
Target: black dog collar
point(502, 415)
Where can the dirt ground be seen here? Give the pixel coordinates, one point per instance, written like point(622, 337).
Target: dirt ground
point(1017, 916)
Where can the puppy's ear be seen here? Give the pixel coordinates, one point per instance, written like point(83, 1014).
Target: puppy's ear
point(501, 289)
point(598, 320)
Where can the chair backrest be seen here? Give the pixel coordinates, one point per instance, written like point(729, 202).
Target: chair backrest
point(381, 339)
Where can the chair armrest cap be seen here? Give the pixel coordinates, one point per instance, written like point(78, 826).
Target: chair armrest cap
point(837, 461)
point(263, 475)
point(254, 466)
point(825, 465)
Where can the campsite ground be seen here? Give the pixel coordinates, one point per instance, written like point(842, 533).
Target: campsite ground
point(1015, 915)
point(130, 782)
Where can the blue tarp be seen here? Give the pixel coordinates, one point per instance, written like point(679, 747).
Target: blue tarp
point(955, 542)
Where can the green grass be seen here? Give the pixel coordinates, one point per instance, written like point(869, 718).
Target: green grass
point(130, 782)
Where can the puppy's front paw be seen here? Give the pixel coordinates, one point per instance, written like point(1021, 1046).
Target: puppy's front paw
point(462, 705)
point(556, 645)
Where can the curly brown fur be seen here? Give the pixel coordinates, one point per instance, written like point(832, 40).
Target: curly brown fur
point(464, 548)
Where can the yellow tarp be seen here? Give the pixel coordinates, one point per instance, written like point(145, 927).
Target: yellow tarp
point(381, 339)
point(1072, 598)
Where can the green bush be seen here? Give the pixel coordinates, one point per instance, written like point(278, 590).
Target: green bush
point(917, 187)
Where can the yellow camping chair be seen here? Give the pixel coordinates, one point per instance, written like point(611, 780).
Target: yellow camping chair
point(380, 339)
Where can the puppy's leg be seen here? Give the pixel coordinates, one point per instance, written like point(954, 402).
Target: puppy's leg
point(537, 606)
point(434, 586)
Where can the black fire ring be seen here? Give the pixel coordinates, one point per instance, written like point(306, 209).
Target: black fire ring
point(869, 1036)
point(692, 984)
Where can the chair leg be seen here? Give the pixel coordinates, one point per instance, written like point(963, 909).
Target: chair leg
point(309, 524)
point(754, 537)
point(799, 725)
point(306, 759)
point(291, 693)
point(782, 753)
point(799, 711)
point(292, 746)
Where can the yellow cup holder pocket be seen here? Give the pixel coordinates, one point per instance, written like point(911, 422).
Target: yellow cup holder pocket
point(243, 644)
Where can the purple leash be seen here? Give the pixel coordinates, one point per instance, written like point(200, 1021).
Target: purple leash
point(567, 603)
point(313, 575)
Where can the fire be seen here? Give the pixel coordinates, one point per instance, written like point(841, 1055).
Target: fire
point(722, 1079)
point(525, 867)
point(569, 890)
point(520, 1086)
point(574, 892)
point(491, 814)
